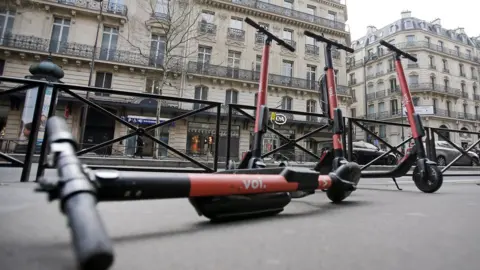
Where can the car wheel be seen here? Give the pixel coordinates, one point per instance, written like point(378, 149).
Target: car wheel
point(391, 160)
point(475, 161)
point(441, 161)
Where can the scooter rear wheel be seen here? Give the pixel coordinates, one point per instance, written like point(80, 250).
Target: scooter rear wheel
point(432, 183)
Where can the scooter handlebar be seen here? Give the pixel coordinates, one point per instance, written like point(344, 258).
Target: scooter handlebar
point(77, 194)
point(398, 51)
point(330, 42)
point(264, 31)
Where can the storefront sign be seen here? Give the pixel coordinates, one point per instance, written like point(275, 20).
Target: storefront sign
point(27, 114)
point(421, 110)
point(278, 118)
point(144, 120)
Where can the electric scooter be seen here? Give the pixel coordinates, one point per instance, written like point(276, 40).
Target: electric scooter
point(334, 114)
point(426, 174)
point(221, 196)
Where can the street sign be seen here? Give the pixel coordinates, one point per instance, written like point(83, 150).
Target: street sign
point(278, 118)
point(421, 110)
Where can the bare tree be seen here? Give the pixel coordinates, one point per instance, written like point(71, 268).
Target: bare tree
point(177, 24)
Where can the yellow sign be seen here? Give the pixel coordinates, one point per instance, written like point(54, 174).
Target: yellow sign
point(273, 116)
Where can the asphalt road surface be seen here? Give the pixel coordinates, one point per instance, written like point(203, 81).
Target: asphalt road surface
point(376, 228)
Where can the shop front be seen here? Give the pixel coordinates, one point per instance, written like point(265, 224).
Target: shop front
point(271, 141)
point(201, 140)
point(149, 145)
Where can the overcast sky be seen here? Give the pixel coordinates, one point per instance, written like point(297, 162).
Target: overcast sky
point(379, 13)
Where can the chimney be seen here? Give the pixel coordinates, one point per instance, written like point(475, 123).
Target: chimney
point(437, 21)
point(371, 29)
point(406, 14)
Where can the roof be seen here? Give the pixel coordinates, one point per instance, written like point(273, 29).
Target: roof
point(457, 35)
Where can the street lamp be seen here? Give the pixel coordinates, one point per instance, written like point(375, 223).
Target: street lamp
point(92, 67)
point(37, 108)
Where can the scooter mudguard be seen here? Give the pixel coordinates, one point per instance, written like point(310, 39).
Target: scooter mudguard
point(325, 164)
point(224, 208)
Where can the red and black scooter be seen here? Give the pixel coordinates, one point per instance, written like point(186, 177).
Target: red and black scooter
point(426, 175)
point(334, 159)
point(231, 194)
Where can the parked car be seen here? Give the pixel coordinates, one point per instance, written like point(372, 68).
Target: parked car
point(446, 153)
point(364, 152)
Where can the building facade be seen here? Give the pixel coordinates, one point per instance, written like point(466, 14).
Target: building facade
point(199, 49)
point(444, 82)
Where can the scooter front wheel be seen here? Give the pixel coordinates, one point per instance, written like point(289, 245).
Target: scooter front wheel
point(431, 182)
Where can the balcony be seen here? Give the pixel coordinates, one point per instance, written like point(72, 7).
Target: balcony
point(411, 65)
point(432, 67)
point(254, 76)
point(92, 6)
point(437, 88)
point(312, 50)
point(352, 82)
point(282, 13)
point(45, 46)
point(376, 95)
point(464, 94)
point(464, 75)
point(207, 28)
point(291, 43)
point(235, 34)
point(474, 78)
point(446, 70)
point(476, 97)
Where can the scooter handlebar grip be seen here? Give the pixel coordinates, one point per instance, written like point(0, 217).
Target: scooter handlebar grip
point(397, 50)
point(252, 23)
point(93, 247)
point(286, 45)
point(325, 40)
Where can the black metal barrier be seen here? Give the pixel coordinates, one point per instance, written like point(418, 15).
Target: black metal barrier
point(429, 143)
point(68, 89)
point(241, 109)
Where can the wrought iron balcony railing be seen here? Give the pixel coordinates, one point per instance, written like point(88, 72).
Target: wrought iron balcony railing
point(236, 34)
point(439, 88)
point(108, 7)
point(37, 44)
point(312, 49)
point(287, 12)
point(290, 42)
point(254, 76)
point(207, 28)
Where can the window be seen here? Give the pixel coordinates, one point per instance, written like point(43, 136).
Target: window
point(393, 84)
point(394, 106)
point(428, 40)
point(465, 110)
point(311, 108)
point(476, 112)
point(109, 43)
point(311, 10)
point(469, 53)
point(201, 93)
point(288, 4)
point(435, 105)
point(382, 131)
point(204, 56)
point(157, 50)
point(311, 76)
point(431, 61)
point(233, 64)
point(410, 38)
point(379, 50)
point(161, 8)
point(457, 50)
point(287, 103)
point(7, 18)
point(310, 41)
point(433, 80)
point(353, 112)
point(449, 106)
point(152, 86)
point(413, 79)
point(460, 67)
point(393, 28)
point(258, 63)
point(207, 16)
point(59, 37)
point(445, 65)
point(379, 68)
point(287, 34)
point(231, 96)
point(287, 68)
point(371, 110)
point(103, 80)
point(255, 99)
point(416, 101)
point(381, 107)
point(2, 67)
point(332, 15)
point(372, 39)
point(474, 88)
point(472, 70)
point(408, 24)
point(391, 65)
point(440, 45)
point(445, 83)
point(354, 95)
point(236, 23)
point(462, 85)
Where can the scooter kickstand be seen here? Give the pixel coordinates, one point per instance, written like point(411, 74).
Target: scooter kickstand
point(396, 184)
